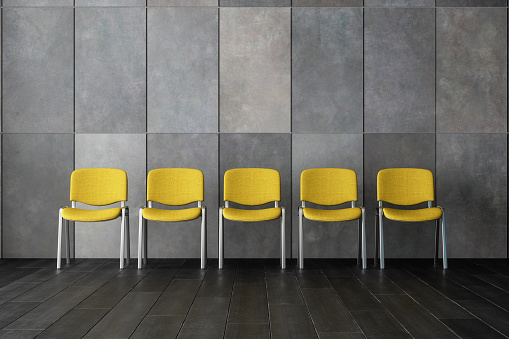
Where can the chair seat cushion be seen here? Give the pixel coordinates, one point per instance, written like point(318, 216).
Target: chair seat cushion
point(78, 214)
point(332, 215)
point(158, 214)
point(423, 214)
point(251, 215)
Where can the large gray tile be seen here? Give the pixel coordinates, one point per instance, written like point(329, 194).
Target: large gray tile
point(37, 68)
point(36, 169)
point(37, 3)
point(182, 3)
point(471, 3)
point(110, 3)
point(326, 240)
point(471, 70)
point(402, 240)
point(124, 151)
point(327, 57)
point(110, 70)
point(399, 3)
point(255, 3)
point(258, 239)
point(182, 70)
point(399, 64)
point(472, 187)
point(255, 70)
point(198, 151)
point(327, 3)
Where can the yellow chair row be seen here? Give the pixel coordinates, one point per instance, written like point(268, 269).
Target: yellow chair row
point(249, 187)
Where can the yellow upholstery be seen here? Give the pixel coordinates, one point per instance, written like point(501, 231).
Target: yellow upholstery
point(252, 186)
point(99, 186)
point(252, 215)
point(328, 186)
point(405, 186)
point(424, 214)
point(171, 215)
point(175, 186)
point(332, 215)
point(78, 214)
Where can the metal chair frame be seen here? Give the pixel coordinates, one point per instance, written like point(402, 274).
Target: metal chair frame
point(361, 232)
point(142, 236)
point(221, 234)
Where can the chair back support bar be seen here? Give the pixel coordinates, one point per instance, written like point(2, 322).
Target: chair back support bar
point(405, 186)
point(175, 186)
point(328, 186)
point(262, 185)
point(99, 186)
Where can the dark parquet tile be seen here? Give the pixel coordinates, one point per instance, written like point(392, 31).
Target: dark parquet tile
point(123, 319)
point(472, 328)
point(158, 327)
point(74, 324)
point(247, 331)
point(253, 298)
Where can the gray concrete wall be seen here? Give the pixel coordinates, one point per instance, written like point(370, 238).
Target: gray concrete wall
point(290, 85)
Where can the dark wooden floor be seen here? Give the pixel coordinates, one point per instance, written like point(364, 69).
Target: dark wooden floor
point(254, 299)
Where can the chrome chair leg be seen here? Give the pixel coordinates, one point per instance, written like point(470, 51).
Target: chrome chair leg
point(122, 238)
point(145, 242)
point(364, 259)
point(221, 239)
point(444, 247)
point(283, 240)
point(127, 239)
point(381, 235)
point(203, 238)
point(359, 236)
point(59, 240)
point(67, 242)
point(301, 241)
point(140, 239)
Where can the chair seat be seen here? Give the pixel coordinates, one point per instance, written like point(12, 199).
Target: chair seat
point(251, 215)
point(78, 214)
point(343, 214)
point(158, 214)
point(423, 214)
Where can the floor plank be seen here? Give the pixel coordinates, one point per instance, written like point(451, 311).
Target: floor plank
point(247, 331)
point(75, 324)
point(108, 295)
point(379, 324)
point(414, 318)
point(291, 321)
point(354, 295)
point(177, 299)
point(249, 304)
point(329, 314)
point(158, 327)
point(123, 319)
point(472, 328)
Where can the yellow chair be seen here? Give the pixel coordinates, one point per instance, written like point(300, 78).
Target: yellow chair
point(251, 187)
point(174, 187)
point(96, 187)
point(328, 187)
point(405, 187)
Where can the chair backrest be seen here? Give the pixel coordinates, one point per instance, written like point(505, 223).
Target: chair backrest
point(328, 186)
point(252, 186)
point(405, 186)
point(175, 186)
point(99, 186)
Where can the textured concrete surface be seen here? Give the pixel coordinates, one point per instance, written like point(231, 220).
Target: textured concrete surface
point(200, 151)
point(327, 70)
point(36, 172)
point(399, 3)
point(472, 187)
point(256, 239)
point(110, 70)
point(254, 3)
point(390, 150)
point(254, 70)
point(399, 80)
point(471, 3)
point(327, 3)
point(182, 70)
point(326, 240)
point(182, 3)
point(37, 70)
point(124, 151)
point(471, 70)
